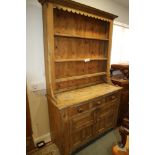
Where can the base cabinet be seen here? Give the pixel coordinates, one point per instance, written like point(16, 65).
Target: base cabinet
point(85, 121)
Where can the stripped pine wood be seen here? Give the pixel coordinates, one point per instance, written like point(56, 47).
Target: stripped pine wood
point(79, 77)
point(77, 43)
point(84, 94)
point(67, 48)
point(58, 34)
point(79, 59)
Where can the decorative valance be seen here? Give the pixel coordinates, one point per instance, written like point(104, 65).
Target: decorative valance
point(80, 12)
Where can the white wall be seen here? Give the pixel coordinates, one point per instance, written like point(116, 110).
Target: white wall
point(35, 60)
point(110, 6)
point(35, 71)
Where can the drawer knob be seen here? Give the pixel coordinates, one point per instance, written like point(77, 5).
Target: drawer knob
point(80, 110)
point(113, 97)
point(99, 102)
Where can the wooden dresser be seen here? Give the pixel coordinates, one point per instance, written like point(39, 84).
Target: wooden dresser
point(83, 104)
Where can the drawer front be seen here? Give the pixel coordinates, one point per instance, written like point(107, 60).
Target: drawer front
point(98, 102)
point(112, 98)
point(78, 109)
point(104, 100)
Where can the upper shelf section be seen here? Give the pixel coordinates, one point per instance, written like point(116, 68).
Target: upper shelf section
point(79, 49)
point(68, 24)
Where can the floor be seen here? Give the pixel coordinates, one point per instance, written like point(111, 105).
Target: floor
point(101, 146)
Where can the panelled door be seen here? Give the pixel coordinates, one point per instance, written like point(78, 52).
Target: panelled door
point(105, 117)
point(82, 128)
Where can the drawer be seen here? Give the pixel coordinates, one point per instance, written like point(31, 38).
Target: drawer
point(78, 109)
point(98, 102)
point(113, 97)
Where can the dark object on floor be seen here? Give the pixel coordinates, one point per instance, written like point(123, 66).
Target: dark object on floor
point(48, 149)
point(40, 144)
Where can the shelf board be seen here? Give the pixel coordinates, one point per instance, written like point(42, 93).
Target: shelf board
point(78, 87)
point(78, 36)
point(80, 77)
point(82, 59)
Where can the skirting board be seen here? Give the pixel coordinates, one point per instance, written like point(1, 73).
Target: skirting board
point(46, 138)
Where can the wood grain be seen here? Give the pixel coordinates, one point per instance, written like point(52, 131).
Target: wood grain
point(77, 45)
point(80, 77)
point(47, 12)
point(81, 7)
point(69, 98)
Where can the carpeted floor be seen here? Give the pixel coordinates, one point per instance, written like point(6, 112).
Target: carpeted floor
point(101, 146)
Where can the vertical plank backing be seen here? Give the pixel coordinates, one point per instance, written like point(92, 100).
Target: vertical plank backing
point(73, 24)
point(74, 84)
point(49, 47)
point(69, 69)
point(77, 48)
point(67, 46)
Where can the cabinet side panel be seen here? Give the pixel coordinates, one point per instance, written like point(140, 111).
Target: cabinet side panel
point(47, 12)
point(109, 51)
point(55, 124)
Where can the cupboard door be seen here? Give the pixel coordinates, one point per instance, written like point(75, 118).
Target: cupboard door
point(110, 118)
point(100, 124)
point(76, 139)
point(82, 136)
point(81, 128)
point(105, 118)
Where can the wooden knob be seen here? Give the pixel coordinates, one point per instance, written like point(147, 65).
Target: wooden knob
point(113, 97)
point(80, 110)
point(103, 100)
point(98, 102)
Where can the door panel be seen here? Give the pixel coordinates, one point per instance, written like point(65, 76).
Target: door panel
point(81, 128)
point(82, 136)
point(82, 121)
point(100, 125)
point(105, 118)
point(110, 118)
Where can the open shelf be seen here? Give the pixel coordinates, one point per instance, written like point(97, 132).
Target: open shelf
point(79, 86)
point(80, 77)
point(82, 59)
point(80, 50)
point(79, 36)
